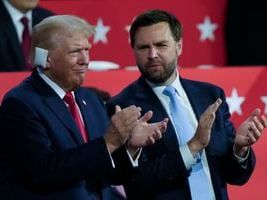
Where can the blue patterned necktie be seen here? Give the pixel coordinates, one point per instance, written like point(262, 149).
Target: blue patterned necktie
point(198, 180)
point(179, 116)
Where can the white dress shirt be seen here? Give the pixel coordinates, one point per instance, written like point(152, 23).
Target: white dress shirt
point(16, 16)
point(187, 156)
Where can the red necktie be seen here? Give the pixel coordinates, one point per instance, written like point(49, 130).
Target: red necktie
point(69, 99)
point(26, 41)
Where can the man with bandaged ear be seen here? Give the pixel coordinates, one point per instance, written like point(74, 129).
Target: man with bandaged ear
point(57, 141)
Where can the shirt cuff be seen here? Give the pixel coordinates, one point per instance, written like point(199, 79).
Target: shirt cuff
point(242, 160)
point(134, 161)
point(111, 159)
point(187, 156)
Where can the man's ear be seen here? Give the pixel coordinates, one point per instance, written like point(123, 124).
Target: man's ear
point(40, 58)
point(179, 47)
point(48, 62)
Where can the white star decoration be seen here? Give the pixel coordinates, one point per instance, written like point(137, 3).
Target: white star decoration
point(101, 32)
point(207, 29)
point(234, 102)
point(264, 100)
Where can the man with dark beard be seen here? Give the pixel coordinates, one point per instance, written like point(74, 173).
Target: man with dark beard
point(201, 151)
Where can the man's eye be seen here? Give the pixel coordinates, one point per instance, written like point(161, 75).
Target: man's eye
point(74, 52)
point(143, 47)
point(162, 45)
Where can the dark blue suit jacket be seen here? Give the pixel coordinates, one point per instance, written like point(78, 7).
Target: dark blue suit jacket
point(42, 154)
point(162, 173)
point(11, 54)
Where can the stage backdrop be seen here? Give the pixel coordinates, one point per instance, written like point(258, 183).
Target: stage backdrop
point(203, 22)
point(245, 88)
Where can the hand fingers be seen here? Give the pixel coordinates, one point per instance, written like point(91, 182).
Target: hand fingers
point(208, 120)
point(263, 120)
point(117, 108)
point(166, 120)
point(151, 140)
point(130, 113)
point(162, 126)
point(131, 108)
point(125, 119)
point(255, 112)
point(157, 135)
point(210, 113)
point(147, 116)
point(258, 123)
point(256, 128)
point(214, 107)
point(253, 135)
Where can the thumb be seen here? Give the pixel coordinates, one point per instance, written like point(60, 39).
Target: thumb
point(117, 108)
point(216, 105)
point(255, 112)
point(147, 116)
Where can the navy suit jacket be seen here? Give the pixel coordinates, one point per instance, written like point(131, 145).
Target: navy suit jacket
point(11, 53)
point(162, 173)
point(42, 153)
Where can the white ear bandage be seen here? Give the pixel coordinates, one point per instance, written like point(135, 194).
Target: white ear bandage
point(40, 57)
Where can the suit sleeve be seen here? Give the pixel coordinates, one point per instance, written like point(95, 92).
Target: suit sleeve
point(159, 168)
point(165, 170)
point(232, 171)
point(151, 176)
point(31, 150)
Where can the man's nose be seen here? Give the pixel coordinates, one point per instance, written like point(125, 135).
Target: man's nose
point(153, 53)
point(84, 56)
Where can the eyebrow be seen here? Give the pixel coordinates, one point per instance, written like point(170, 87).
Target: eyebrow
point(154, 43)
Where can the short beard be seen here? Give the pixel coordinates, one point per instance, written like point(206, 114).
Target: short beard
point(159, 78)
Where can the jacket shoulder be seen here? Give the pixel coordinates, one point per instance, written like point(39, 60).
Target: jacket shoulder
point(203, 86)
point(40, 13)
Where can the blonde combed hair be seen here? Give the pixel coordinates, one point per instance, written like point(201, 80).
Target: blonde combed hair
point(48, 33)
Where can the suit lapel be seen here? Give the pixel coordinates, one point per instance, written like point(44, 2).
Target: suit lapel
point(57, 106)
point(150, 101)
point(195, 97)
point(200, 103)
point(91, 114)
point(85, 111)
point(8, 28)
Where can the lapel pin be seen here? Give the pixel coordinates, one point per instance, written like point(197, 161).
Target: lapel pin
point(84, 103)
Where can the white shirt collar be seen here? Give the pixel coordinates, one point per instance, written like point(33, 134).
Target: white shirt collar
point(176, 84)
point(60, 92)
point(15, 14)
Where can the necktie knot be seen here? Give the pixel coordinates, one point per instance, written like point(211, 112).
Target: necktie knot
point(69, 99)
point(169, 91)
point(24, 20)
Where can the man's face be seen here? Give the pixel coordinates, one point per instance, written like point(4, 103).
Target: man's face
point(156, 52)
point(24, 5)
point(68, 63)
